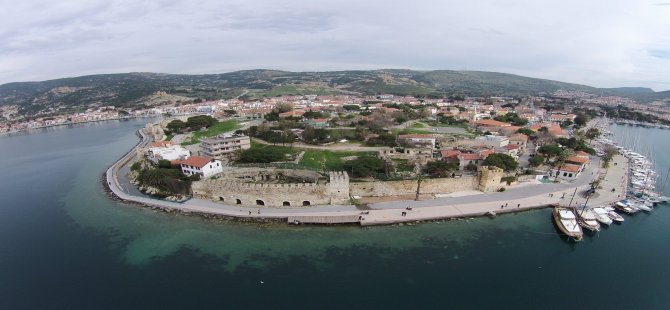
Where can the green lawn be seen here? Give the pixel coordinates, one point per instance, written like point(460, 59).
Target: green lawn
point(330, 160)
point(418, 125)
point(216, 129)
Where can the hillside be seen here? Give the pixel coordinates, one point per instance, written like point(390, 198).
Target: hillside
point(132, 89)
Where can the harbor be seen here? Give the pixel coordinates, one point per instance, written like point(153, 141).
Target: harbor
point(633, 182)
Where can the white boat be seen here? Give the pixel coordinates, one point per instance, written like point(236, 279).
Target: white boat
point(615, 216)
point(625, 207)
point(602, 216)
point(567, 222)
point(587, 219)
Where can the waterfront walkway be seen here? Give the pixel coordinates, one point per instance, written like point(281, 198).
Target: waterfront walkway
point(516, 198)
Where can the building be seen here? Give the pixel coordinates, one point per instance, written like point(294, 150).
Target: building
point(492, 141)
point(204, 166)
point(567, 172)
point(417, 140)
point(224, 145)
point(165, 150)
point(519, 139)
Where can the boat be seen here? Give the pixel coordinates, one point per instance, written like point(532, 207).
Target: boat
point(642, 205)
point(625, 207)
point(615, 216)
point(602, 215)
point(567, 222)
point(587, 219)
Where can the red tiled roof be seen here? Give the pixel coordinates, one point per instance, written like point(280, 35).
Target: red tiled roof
point(578, 159)
point(196, 161)
point(511, 147)
point(518, 137)
point(581, 153)
point(469, 156)
point(569, 168)
point(449, 153)
point(492, 123)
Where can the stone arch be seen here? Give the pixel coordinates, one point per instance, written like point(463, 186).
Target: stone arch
point(237, 201)
point(306, 203)
point(260, 202)
point(221, 199)
point(286, 204)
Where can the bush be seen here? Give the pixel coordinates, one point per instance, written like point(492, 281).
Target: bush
point(365, 166)
point(136, 166)
point(261, 155)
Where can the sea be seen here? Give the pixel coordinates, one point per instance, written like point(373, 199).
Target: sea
point(64, 244)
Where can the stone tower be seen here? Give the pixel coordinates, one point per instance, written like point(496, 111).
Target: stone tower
point(338, 187)
point(489, 178)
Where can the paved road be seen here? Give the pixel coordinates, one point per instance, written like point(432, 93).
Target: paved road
point(515, 199)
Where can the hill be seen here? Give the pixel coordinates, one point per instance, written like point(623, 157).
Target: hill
point(132, 89)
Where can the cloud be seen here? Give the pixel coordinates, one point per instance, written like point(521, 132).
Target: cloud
point(596, 42)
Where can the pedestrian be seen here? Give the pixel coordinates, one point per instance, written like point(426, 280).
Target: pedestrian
point(518, 205)
point(249, 212)
point(259, 211)
point(360, 217)
point(502, 206)
point(505, 205)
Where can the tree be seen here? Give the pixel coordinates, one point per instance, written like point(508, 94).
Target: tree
point(314, 114)
point(136, 166)
point(592, 133)
point(525, 131)
point(200, 121)
point(365, 166)
point(177, 126)
point(440, 168)
point(581, 120)
point(566, 123)
point(535, 160)
point(166, 164)
point(261, 155)
point(550, 150)
point(502, 161)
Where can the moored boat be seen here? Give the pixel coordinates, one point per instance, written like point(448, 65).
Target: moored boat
point(602, 215)
point(567, 222)
point(615, 216)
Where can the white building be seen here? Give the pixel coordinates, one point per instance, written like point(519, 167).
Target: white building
point(492, 141)
point(204, 166)
point(567, 172)
point(167, 151)
point(418, 140)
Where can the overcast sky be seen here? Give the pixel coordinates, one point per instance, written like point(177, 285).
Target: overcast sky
point(604, 43)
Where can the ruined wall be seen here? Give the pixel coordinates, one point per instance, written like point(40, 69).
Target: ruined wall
point(234, 192)
point(408, 187)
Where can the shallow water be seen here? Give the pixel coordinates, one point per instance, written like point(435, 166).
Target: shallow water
point(65, 244)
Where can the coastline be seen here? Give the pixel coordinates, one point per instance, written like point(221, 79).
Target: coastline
point(539, 196)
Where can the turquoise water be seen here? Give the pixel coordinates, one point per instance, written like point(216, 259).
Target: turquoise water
point(65, 244)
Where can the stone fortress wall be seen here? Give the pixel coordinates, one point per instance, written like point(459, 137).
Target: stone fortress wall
point(258, 187)
point(264, 187)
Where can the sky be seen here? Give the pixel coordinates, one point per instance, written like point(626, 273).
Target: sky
point(602, 43)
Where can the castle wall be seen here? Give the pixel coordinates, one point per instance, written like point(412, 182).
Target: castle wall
point(408, 187)
point(228, 191)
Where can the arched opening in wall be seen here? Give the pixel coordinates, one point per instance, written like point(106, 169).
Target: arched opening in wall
point(286, 204)
point(237, 201)
point(220, 198)
point(260, 202)
point(306, 203)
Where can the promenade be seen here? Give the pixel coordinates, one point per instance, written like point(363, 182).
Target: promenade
point(514, 199)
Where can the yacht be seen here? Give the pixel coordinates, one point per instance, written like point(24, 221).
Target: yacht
point(602, 215)
point(567, 222)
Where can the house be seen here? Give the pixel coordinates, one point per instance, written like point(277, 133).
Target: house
point(519, 139)
point(204, 166)
point(418, 140)
point(510, 149)
point(491, 141)
point(567, 172)
point(559, 118)
point(465, 159)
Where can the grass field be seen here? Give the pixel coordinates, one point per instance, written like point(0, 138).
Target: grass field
point(330, 160)
point(216, 129)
